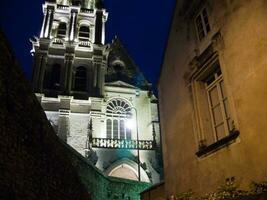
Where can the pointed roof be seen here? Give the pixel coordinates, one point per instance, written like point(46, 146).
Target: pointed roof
point(99, 4)
point(121, 67)
point(120, 84)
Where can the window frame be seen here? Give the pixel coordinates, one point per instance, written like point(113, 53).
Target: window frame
point(203, 119)
point(217, 84)
point(60, 30)
point(116, 115)
point(203, 24)
point(78, 79)
point(84, 35)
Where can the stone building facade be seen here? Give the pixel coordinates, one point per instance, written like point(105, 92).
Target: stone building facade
point(214, 75)
point(93, 93)
point(35, 163)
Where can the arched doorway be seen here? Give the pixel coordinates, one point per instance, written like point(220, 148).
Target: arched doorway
point(124, 171)
point(128, 169)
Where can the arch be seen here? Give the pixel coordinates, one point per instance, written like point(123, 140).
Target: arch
point(119, 106)
point(118, 66)
point(118, 111)
point(80, 79)
point(84, 33)
point(126, 168)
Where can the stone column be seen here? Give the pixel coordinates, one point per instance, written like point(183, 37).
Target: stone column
point(73, 25)
point(98, 27)
point(97, 63)
point(63, 125)
point(41, 64)
point(48, 23)
point(44, 23)
point(69, 58)
point(36, 71)
point(103, 30)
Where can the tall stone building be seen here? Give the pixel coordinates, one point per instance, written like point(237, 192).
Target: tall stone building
point(93, 94)
point(214, 75)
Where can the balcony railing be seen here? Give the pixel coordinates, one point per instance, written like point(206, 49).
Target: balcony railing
point(84, 43)
point(86, 10)
point(62, 7)
point(58, 41)
point(122, 144)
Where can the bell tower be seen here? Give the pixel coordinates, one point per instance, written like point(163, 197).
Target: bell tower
point(69, 56)
point(94, 95)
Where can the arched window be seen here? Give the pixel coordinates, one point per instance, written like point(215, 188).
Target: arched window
point(62, 29)
point(119, 107)
point(84, 33)
point(118, 112)
point(80, 79)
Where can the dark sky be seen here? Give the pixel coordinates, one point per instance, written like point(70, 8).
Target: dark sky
point(141, 25)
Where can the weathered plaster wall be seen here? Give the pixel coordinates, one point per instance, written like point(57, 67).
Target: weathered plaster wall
point(243, 26)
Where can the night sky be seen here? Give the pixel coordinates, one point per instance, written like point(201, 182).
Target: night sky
point(141, 25)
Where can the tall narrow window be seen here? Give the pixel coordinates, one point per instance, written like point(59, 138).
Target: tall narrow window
point(122, 129)
point(218, 104)
point(115, 129)
point(202, 24)
point(214, 123)
point(52, 77)
point(84, 33)
point(128, 134)
point(109, 128)
point(55, 76)
point(80, 79)
point(62, 29)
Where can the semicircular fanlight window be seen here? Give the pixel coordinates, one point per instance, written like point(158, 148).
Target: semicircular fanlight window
point(118, 106)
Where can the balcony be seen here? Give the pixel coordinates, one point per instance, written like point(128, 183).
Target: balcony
point(86, 10)
point(84, 43)
point(58, 41)
point(62, 7)
point(123, 144)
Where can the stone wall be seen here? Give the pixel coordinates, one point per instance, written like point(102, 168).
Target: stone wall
point(33, 163)
point(100, 186)
point(238, 37)
point(155, 192)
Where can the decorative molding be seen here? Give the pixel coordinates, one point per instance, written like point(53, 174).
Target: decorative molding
point(217, 41)
point(122, 144)
point(206, 150)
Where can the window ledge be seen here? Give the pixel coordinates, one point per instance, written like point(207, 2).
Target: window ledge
point(218, 145)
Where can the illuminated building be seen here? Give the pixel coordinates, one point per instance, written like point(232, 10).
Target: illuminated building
point(91, 91)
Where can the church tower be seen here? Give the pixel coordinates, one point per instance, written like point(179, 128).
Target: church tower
point(94, 95)
point(69, 56)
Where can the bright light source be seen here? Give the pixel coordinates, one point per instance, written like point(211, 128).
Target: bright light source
point(130, 124)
